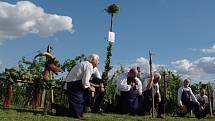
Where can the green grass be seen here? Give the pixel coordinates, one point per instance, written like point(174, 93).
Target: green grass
point(28, 115)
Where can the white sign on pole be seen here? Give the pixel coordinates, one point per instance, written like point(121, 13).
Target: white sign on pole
point(111, 37)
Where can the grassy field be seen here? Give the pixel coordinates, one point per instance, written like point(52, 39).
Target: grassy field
point(28, 115)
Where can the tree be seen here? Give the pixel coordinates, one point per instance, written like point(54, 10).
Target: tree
point(31, 72)
point(111, 10)
point(10, 76)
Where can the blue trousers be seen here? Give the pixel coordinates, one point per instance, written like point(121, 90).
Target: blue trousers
point(128, 102)
point(97, 101)
point(75, 93)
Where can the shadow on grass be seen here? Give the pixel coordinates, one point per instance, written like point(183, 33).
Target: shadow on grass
point(22, 110)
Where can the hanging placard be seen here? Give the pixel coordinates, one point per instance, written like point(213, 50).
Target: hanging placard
point(111, 37)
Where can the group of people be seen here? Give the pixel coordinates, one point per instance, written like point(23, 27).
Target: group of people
point(135, 98)
point(187, 101)
point(85, 88)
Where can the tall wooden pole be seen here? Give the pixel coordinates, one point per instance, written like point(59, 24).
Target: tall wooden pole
point(52, 91)
point(150, 69)
point(209, 99)
point(111, 9)
point(109, 48)
point(111, 22)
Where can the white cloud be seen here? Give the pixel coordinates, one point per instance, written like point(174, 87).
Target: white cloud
point(193, 49)
point(184, 66)
point(25, 18)
point(200, 69)
point(141, 62)
point(207, 64)
point(205, 50)
point(208, 50)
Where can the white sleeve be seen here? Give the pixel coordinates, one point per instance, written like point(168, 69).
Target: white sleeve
point(139, 85)
point(65, 86)
point(87, 72)
point(145, 85)
point(96, 73)
point(197, 97)
point(192, 95)
point(180, 90)
point(122, 83)
point(206, 99)
point(157, 88)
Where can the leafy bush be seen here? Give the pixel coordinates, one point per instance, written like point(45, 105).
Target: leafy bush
point(110, 87)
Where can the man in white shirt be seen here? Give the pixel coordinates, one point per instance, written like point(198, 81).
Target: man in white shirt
point(129, 88)
point(203, 100)
point(147, 93)
point(185, 104)
point(77, 82)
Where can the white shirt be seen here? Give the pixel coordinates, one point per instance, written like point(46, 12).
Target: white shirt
point(180, 91)
point(123, 86)
point(96, 73)
point(81, 71)
point(156, 86)
point(202, 98)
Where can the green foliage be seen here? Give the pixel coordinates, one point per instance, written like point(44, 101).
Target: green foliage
point(3, 85)
point(108, 66)
point(112, 9)
point(32, 71)
point(109, 98)
point(110, 87)
point(21, 94)
point(173, 84)
point(9, 76)
point(70, 63)
point(195, 88)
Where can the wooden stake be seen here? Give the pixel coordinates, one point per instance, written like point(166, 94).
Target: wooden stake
point(150, 68)
point(209, 99)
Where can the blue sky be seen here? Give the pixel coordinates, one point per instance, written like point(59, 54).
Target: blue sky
point(181, 33)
